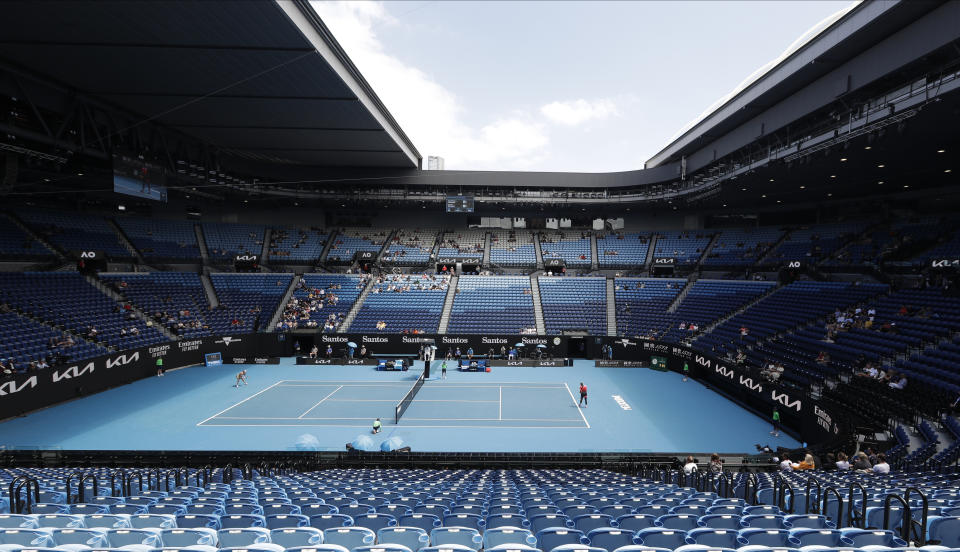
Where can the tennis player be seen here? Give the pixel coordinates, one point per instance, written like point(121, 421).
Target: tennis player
point(376, 426)
point(443, 370)
point(583, 395)
point(241, 377)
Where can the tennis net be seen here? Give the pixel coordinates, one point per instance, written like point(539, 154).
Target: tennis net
point(408, 398)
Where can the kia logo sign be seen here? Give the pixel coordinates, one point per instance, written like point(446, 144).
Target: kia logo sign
point(72, 372)
point(247, 258)
point(945, 263)
point(11, 387)
point(664, 261)
point(123, 360)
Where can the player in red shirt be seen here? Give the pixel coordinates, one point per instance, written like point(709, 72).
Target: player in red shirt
point(583, 395)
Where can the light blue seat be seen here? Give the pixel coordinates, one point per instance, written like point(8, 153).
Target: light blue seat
point(809, 521)
point(616, 511)
point(447, 548)
point(260, 547)
point(152, 521)
point(659, 537)
point(473, 521)
point(79, 539)
point(274, 509)
point(721, 521)
point(354, 510)
point(382, 548)
point(642, 548)
point(107, 521)
point(455, 536)
point(703, 548)
point(610, 538)
point(133, 539)
point(678, 522)
point(239, 538)
point(325, 547)
point(589, 522)
point(210, 508)
point(832, 538)
point(190, 521)
point(945, 531)
point(512, 548)
point(242, 521)
point(27, 538)
point(284, 521)
point(636, 522)
point(540, 522)
point(508, 535)
point(375, 522)
point(182, 538)
point(50, 508)
point(130, 509)
point(721, 538)
point(349, 537)
point(578, 548)
point(296, 536)
point(764, 521)
point(166, 508)
point(87, 508)
point(873, 537)
point(552, 537)
point(17, 521)
point(61, 521)
point(413, 538)
point(330, 521)
point(761, 510)
point(506, 520)
point(427, 522)
point(776, 538)
point(875, 517)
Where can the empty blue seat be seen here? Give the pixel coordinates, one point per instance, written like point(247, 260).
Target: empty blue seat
point(190, 521)
point(286, 521)
point(413, 538)
point(241, 521)
point(508, 535)
point(610, 538)
point(659, 537)
point(349, 537)
point(821, 537)
point(679, 522)
point(872, 537)
point(777, 538)
point(296, 536)
point(238, 538)
point(330, 521)
point(720, 538)
point(552, 537)
point(456, 536)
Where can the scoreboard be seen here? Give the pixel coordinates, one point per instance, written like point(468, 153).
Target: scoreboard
point(459, 204)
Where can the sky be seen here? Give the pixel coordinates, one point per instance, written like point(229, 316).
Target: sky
point(559, 86)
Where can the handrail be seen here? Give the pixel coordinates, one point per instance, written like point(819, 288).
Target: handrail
point(25, 483)
point(186, 476)
point(786, 486)
point(124, 485)
point(139, 475)
point(79, 475)
point(924, 513)
point(13, 493)
point(227, 475)
point(816, 503)
point(81, 490)
point(722, 477)
point(754, 488)
point(863, 505)
point(825, 504)
point(907, 514)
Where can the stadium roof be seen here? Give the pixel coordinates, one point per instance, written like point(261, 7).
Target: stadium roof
point(265, 81)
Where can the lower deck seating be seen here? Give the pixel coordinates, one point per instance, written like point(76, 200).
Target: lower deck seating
point(492, 304)
point(574, 304)
point(574, 250)
point(23, 341)
point(17, 244)
point(175, 300)
point(409, 303)
point(247, 301)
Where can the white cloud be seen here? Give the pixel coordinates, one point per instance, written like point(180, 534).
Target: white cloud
point(427, 111)
point(575, 112)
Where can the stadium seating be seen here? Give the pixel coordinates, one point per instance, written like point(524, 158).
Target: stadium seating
point(163, 240)
point(640, 300)
point(463, 244)
point(175, 300)
point(575, 251)
point(623, 250)
point(814, 243)
point(23, 341)
point(512, 248)
point(75, 232)
point(404, 302)
point(490, 304)
point(17, 244)
point(297, 245)
point(574, 304)
point(322, 301)
point(411, 247)
point(227, 240)
point(246, 301)
point(349, 241)
point(685, 247)
point(741, 247)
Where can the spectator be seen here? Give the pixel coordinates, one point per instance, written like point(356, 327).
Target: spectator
point(690, 467)
point(881, 467)
point(808, 463)
point(785, 464)
point(861, 462)
point(900, 384)
point(842, 463)
point(716, 464)
point(314, 351)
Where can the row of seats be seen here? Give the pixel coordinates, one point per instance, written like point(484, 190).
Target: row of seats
point(574, 304)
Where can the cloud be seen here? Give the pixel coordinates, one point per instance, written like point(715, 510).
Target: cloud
point(575, 112)
point(427, 111)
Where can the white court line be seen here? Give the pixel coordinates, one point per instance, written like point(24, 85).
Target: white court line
point(405, 426)
point(577, 405)
point(407, 418)
point(451, 384)
point(321, 400)
point(395, 401)
point(239, 403)
point(500, 402)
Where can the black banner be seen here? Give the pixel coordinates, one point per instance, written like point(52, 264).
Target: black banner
point(553, 346)
point(26, 392)
point(531, 363)
point(619, 364)
point(251, 360)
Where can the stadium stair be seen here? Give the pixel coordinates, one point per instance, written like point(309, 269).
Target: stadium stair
point(537, 305)
point(283, 302)
point(708, 248)
point(486, 250)
point(208, 290)
point(16, 220)
point(386, 244)
point(730, 315)
point(536, 245)
point(650, 251)
point(125, 240)
point(348, 319)
point(594, 255)
point(682, 295)
point(95, 282)
point(611, 306)
point(265, 251)
point(448, 304)
point(202, 242)
point(761, 261)
point(326, 248)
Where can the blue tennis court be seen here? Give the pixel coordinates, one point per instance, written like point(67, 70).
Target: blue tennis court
point(438, 404)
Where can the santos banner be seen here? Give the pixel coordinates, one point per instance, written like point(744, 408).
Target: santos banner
point(552, 346)
point(798, 411)
point(26, 392)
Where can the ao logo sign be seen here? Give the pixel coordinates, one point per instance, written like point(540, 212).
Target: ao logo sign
point(88, 254)
point(793, 264)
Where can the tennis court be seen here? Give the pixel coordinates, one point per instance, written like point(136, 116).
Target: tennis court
point(436, 404)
